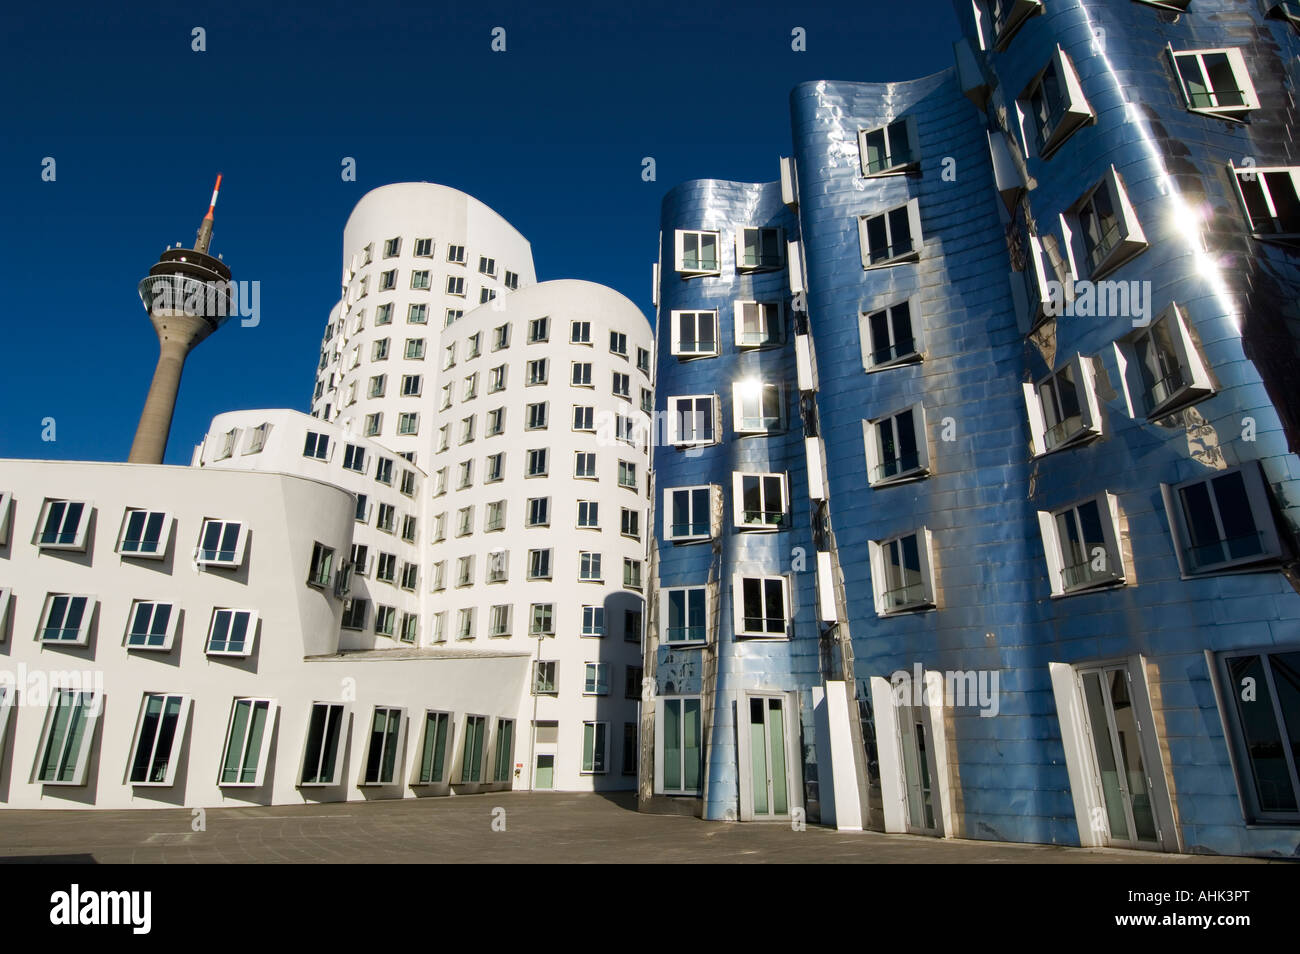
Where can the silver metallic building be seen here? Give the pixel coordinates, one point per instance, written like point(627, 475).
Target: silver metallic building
point(1029, 571)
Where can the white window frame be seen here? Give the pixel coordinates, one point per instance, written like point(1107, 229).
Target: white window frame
point(1129, 242)
point(1074, 108)
point(738, 606)
point(589, 567)
point(743, 425)
point(1193, 383)
point(177, 741)
point(770, 314)
point(742, 266)
point(164, 536)
point(661, 746)
point(1261, 511)
point(875, 451)
point(399, 744)
point(169, 633)
point(1085, 379)
point(78, 541)
point(250, 642)
point(916, 236)
point(877, 552)
point(339, 754)
point(670, 528)
point(680, 253)
point(259, 777)
point(738, 500)
point(595, 679)
point(237, 558)
point(1057, 572)
point(674, 424)
point(1258, 177)
point(6, 516)
point(665, 602)
point(1236, 63)
point(868, 343)
point(599, 743)
point(91, 708)
point(83, 626)
point(898, 162)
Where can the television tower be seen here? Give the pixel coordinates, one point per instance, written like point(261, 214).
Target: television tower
point(188, 297)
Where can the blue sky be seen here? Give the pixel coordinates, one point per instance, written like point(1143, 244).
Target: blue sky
point(550, 133)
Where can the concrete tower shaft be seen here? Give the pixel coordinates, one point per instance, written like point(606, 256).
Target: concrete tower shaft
point(187, 295)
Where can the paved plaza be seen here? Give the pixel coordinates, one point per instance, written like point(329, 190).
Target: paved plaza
point(537, 828)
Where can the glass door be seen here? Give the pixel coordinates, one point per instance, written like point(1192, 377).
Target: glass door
point(1117, 748)
point(918, 770)
point(767, 757)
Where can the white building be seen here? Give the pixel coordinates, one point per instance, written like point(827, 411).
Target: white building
point(433, 584)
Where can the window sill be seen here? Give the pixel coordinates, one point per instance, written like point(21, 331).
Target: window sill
point(916, 357)
point(891, 262)
point(1116, 584)
point(141, 556)
point(926, 607)
point(687, 643)
point(910, 477)
point(903, 168)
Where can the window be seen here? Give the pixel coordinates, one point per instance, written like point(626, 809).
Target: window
point(384, 316)
point(456, 254)
point(66, 619)
point(229, 439)
point(889, 149)
point(256, 438)
point(1107, 227)
point(354, 458)
point(504, 753)
point(902, 574)
point(392, 247)
point(593, 747)
point(679, 746)
point(465, 571)
point(6, 516)
point(467, 429)
point(440, 481)
point(495, 465)
point(1216, 82)
point(363, 508)
point(536, 416)
point(1082, 545)
point(694, 334)
point(407, 487)
point(145, 533)
point(632, 574)
point(581, 374)
point(692, 420)
point(151, 625)
point(221, 543)
point(580, 332)
point(412, 385)
point(456, 285)
point(1063, 407)
point(896, 447)
point(998, 20)
point(466, 474)
point(1161, 367)
point(452, 316)
point(67, 737)
point(697, 253)
point(688, 511)
point(539, 510)
point(410, 630)
point(686, 610)
point(500, 337)
point(410, 574)
point(589, 514)
point(499, 620)
point(511, 280)
point(496, 421)
point(420, 281)
point(618, 343)
point(497, 379)
point(622, 386)
point(1264, 730)
point(584, 465)
point(487, 266)
point(367, 254)
point(627, 475)
point(632, 689)
point(759, 324)
point(630, 523)
point(248, 739)
point(539, 330)
point(546, 677)
point(1223, 521)
point(473, 346)
point(643, 360)
point(159, 735)
point(596, 679)
point(1271, 198)
point(384, 471)
point(439, 570)
point(584, 417)
point(759, 605)
point(632, 626)
point(379, 352)
point(543, 619)
point(385, 621)
point(63, 525)
point(438, 632)
point(322, 565)
point(759, 248)
point(647, 401)
point(498, 566)
point(589, 567)
point(386, 568)
point(354, 614)
point(536, 372)
point(385, 520)
point(887, 337)
point(494, 516)
point(471, 769)
point(537, 463)
point(464, 521)
point(232, 632)
point(388, 280)
point(759, 501)
point(891, 237)
point(593, 621)
point(539, 564)
point(1054, 106)
point(423, 248)
point(382, 746)
point(759, 408)
point(321, 764)
point(465, 624)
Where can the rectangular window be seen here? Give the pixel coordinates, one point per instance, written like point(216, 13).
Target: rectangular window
point(580, 332)
point(496, 421)
point(466, 475)
point(385, 621)
point(385, 520)
point(433, 748)
point(627, 475)
point(354, 614)
point(1222, 522)
point(1216, 82)
point(363, 508)
point(321, 570)
point(439, 570)
point(465, 571)
point(497, 379)
point(692, 420)
point(1063, 408)
point(386, 568)
point(221, 543)
point(889, 149)
point(593, 747)
point(321, 764)
point(596, 679)
point(680, 745)
point(589, 567)
point(689, 513)
point(543, 619)
point(452, 316)
point(494, 466)
point(902, 573)
point(896, 447)
point(539, 564)
point(632, 686)
point(500, 337)
point(584, 465)
point(465, 623)
point(888, 338)
point(759, 501)
point(505, 750)
point(1271, 198)
point(891, 237)
point(581, 374)
point(686, 611)
point(759, 408)
point(151, 625)
point(631, 574)
point(1107, 227)
point(759, 248)
point(384, 314)
point(456, 254)
point(417, 314)
point(499, 620)
point(494, 517)
point(511, 281)
point(354, 458)
point(546, 680)
point(697, 253)
point(248, 739)
point(377, 386)
point(632, 626)
point(407, 488)
point(593, 621)
point(622, 386)
point(589, 514)
point(62, 525)
point(694, 334)
point(759, 604)
point(467, 429)
point(420, 281)
point(145, 533)
point(539, 329)
point(630, 523)
point(618, 343)
point(643, 360)
point(759, 324)
point(535, 416)
point(584, 417)
point(67, 738)
point(388, 280)
point(1081, 544)
point(232, 632)
point(456, 285)
point(66, 619)
point(537, 462)
point(374, 424)
point(410, 574)
point(1054, 106)
point(498, 566)
point(1264, 729)
point(471, 769)
point(539, 512)
point(159, 734)
point(382, 746)
point(1162, 369)
point(392, 247)
point(536, 372)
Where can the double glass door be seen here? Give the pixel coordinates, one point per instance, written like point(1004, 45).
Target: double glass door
point(1113, 728)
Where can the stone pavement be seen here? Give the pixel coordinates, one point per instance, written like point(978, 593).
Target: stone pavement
point(548, 827)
